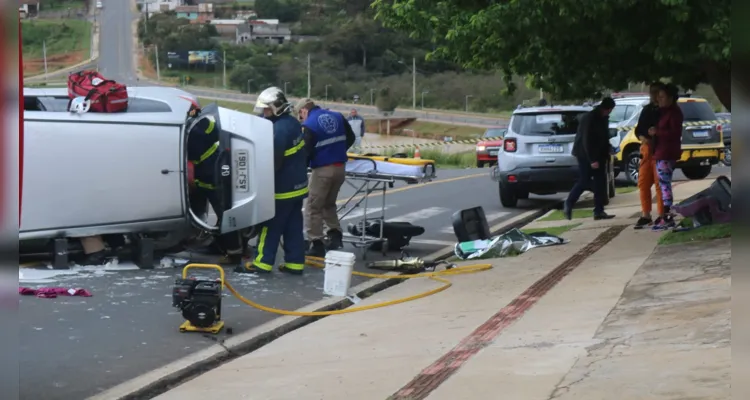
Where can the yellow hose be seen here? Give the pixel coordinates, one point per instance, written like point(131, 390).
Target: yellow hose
point(318, 263)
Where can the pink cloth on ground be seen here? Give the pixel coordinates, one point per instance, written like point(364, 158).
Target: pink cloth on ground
point(52, 292)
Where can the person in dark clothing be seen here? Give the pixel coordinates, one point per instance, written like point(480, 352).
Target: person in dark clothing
point(668, 148)
point(328, 136)
point(202, 147)
point(647, 175)
point(592, 149)
point(290, 182)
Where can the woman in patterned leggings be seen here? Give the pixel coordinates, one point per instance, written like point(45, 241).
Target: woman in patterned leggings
point(668, 149)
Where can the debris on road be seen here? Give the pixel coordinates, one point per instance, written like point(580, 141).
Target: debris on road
point(53, 292)
point(509, 243)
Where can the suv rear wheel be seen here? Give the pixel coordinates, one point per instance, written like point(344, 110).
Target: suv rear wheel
point(480, 164)
point(508, 196)
point(632, 165)
point(696, 172)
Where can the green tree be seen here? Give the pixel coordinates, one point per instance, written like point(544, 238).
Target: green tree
point(577, 48)
point(244, 77)
point(283, 10)
point(385, 102)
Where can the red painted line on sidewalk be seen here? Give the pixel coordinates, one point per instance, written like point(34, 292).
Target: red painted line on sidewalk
point(433, 376)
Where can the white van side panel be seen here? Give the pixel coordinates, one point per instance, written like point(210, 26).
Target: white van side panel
point(252, 169)
point(88, 174)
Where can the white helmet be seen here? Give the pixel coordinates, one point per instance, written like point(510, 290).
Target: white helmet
point(80, 105)
point(275, 99)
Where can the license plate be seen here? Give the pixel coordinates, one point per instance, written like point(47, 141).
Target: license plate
point(493, 152)
point(550, 148)
point(700, 134)
point(241, 171)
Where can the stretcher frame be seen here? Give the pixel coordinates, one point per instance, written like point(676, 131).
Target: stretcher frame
point(365, 184)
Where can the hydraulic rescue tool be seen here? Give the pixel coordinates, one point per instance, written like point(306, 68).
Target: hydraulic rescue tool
point(409, 264)
point(199, 299)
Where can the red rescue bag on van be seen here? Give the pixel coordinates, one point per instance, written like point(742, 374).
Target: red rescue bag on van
point(105, 94)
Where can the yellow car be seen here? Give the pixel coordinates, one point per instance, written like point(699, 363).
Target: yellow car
point(702, 142)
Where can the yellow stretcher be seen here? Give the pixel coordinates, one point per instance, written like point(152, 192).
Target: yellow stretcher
point(394, 159)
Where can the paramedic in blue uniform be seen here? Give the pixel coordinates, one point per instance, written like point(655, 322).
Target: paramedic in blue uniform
point(328, 136)
point(202, 152)
point(290, 162)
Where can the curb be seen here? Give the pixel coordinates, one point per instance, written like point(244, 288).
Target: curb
point(163, 379)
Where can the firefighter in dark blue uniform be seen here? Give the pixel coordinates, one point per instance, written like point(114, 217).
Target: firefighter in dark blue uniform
point(202, 146)
point(291, 190)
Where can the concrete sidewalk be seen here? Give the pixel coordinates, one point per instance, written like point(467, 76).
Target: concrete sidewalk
point(607, 316)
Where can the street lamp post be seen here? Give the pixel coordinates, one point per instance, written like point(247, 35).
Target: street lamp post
point(249, 81)
point(285, 83)
point(372, 92)
point(466, 101)
point(423, 93)
point(327, 92)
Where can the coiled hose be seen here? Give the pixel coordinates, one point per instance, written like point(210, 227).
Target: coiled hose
point(319, 263)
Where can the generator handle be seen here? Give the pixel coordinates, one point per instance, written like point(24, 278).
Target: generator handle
point(205, 266)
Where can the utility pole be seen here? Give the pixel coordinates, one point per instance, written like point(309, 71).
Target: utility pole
point(423, 93)
point(249, 81)
point(158, 72)
point(327, 92)
point(414, 83)
point(224, 79)
point(372, 92)
point(285, 91)
point(466, 102)
point(44, 52)
point(541, 94)
point(309, 84)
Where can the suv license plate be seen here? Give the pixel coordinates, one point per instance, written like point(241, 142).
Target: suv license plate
point(493, 152)
point(550, 148)
point(700, 134)
point(241, 171)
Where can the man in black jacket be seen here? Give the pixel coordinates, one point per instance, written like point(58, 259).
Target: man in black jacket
point(592, 149)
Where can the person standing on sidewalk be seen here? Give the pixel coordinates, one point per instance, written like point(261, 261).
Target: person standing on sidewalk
point(647, 175)
point(357, 120)
point(668, 149)
point(592, 149)
point(328, 136)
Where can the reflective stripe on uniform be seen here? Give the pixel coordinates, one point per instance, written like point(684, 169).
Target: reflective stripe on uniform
point(204, 185)
point(261, 245)
point(295, 267)
point(332, 140)
point(208, 153)
point(211, 124)
point(291, 195)
point(294, 149)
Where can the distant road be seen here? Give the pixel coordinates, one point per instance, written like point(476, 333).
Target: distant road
point(435, 116)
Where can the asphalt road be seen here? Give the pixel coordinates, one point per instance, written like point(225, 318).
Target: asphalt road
point(128, 327)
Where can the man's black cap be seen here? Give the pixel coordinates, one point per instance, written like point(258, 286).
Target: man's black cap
point(607, 103)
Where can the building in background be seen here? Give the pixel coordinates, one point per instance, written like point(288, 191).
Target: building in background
point(263, 33)
point(29, 8)
point(199, 14)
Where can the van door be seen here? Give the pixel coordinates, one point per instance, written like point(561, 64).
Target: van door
point(244, 170)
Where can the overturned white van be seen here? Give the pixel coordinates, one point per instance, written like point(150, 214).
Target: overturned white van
point(88, 174)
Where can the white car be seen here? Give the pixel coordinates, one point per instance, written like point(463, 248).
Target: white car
point(126, 173)
point(99, 4)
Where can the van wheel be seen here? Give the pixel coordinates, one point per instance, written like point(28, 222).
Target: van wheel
point(480, 164)
point(632, 165)
point(697, 172)
point(508, 196)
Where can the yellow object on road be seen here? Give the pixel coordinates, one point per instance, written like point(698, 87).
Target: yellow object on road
point(395, 160)
point(319, 263)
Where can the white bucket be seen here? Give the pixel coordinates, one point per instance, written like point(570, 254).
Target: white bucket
point(338, 273)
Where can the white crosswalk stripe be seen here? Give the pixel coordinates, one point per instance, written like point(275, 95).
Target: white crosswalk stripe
point(426, 213)
point(360, 212)
point(494, 216)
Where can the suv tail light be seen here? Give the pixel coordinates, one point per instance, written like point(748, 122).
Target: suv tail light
point(509, 145)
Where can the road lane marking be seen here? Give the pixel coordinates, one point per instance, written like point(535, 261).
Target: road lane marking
point(431, 242)
point(360, 213)
point(419, 215)
point(420, 185)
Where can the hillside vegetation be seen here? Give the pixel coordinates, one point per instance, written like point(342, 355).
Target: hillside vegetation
point(351, 54)
point(61, 36)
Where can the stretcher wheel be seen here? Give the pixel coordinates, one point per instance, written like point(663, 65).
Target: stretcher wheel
point(384, 247)
point(363, 249)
